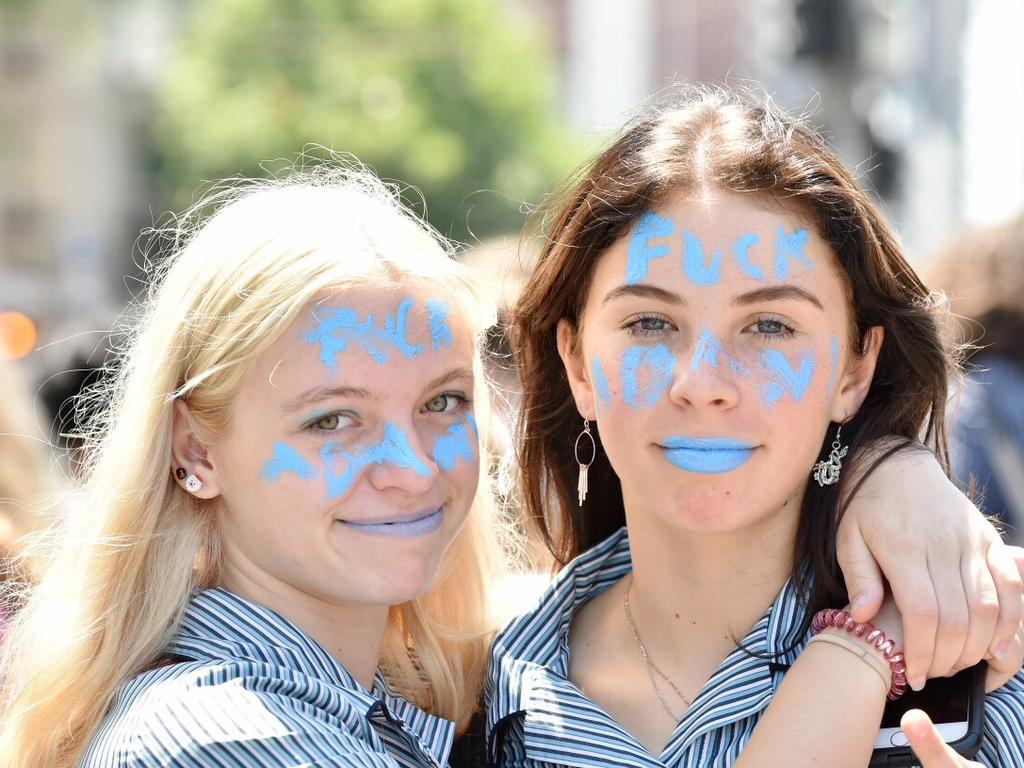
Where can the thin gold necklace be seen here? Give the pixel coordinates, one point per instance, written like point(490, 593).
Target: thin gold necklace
point(651, 667)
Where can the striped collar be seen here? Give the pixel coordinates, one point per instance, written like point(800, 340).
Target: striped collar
point(221, 626)
point(528, 676)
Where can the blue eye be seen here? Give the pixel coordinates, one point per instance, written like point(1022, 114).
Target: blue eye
point(770, 328)
point(647, 325)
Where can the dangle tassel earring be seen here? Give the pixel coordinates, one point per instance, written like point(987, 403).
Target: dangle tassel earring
point(582, 483)
point(826, 472)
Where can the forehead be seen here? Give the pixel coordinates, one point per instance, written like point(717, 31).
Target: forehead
point(370, 336)
point(719, 239)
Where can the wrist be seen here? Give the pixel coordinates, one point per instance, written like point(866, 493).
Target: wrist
point(874, 645)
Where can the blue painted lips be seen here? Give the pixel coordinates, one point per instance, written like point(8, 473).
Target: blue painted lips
point(707, 455)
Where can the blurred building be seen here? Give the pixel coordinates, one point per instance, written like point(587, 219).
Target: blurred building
point(924, 98)
point(76, 86)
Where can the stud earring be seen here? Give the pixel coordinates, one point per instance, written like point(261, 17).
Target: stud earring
point(193, 484)
point(180, 473)
point(826, 472)
point(582, 483)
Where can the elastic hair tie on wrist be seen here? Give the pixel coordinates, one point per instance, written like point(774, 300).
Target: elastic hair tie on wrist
point(874, 637)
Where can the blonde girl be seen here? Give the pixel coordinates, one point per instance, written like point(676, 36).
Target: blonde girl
point(277, 557)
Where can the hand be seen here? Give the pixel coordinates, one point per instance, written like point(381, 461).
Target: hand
point(928, 746)
point(956, 584)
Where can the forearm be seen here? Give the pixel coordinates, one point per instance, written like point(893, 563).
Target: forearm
point(825, 713)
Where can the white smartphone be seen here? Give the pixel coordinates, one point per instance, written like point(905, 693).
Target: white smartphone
point(956, 706)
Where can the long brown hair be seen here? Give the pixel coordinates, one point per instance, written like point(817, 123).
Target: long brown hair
point(718, 138)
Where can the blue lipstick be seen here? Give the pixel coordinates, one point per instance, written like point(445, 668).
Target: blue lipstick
point(407, 526)
point(707, 455)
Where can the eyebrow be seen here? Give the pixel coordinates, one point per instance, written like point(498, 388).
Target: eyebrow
point(777, 293)
point(319, 394)
point(644, 292)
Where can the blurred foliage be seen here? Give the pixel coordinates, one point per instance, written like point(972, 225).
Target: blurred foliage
point(455, 97)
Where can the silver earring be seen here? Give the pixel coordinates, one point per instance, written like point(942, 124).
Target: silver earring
point(193, 484)
point(826, 472)
point(581, 485)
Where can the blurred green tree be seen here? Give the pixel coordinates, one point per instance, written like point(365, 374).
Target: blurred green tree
point(455, 97)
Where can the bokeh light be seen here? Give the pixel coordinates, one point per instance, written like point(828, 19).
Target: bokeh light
point(17, 335)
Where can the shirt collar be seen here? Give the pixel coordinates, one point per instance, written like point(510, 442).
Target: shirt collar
point(221, 626)
point(534, 647)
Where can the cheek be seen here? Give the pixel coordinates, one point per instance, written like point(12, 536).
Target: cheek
point(635, 379)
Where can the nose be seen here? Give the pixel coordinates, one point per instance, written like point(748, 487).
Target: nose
point(401, 463)
point(708, 378)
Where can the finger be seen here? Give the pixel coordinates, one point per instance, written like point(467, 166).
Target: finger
point(1006, 564)
point(983, 612)
point(1001, 670)
point(863, 579)
point(914, 595)
point(954, 619)
point(928, 746)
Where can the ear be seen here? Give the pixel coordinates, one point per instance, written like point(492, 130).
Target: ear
point(569, 349)
point(190, 453)
point(856, 380)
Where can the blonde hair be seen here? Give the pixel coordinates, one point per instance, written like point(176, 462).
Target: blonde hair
point(25, 477)
point(136, 547)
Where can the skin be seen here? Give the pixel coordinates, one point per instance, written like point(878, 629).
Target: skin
point(711, 550)
point(288, 542)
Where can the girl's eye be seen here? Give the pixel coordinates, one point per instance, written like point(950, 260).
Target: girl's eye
point(445, 403)
point(770, 328)
point(647, 325)
point(330, 422)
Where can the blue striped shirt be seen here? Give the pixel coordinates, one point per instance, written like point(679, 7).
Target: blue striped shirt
point(536, 717)
point(255, 690)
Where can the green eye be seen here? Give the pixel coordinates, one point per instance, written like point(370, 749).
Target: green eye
point(328, 423)
point(438, 404)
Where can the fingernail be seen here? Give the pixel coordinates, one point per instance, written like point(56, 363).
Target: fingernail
point(917, 682)
point(859, 602)
point(1001, 649)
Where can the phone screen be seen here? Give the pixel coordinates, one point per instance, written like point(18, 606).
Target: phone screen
point(945, 699)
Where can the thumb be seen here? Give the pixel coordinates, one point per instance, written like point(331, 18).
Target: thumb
point(863, 578)
point(929, 749)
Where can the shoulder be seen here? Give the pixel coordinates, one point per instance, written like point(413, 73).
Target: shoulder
point(529, 634)
point(205, 713)
point(1002, 745)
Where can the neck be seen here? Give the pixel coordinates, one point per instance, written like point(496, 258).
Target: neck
point(704, 590)
point(352, 634)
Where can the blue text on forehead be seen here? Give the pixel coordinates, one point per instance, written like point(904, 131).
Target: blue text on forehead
point(699, 268)
point(337, 327)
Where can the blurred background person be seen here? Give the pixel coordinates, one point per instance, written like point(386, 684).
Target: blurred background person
point(982, 270)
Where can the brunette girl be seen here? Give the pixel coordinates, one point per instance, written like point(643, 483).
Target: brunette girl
point(719, 323)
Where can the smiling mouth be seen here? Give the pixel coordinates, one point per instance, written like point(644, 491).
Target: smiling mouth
point(706, 455)
point(406, 526)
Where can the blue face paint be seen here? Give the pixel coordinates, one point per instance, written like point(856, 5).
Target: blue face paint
point(707, 455)
point(456, 443)
point(788, 247)
point(287, 459)
point(648, 226)
point(740, 251)
point(440, 333)
point(834, 349)
point(785, 378)
point(707, 349)
point(339, 326)
point(697, 271)
point(661, 364)
point(393, 449)
point(604, 393)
